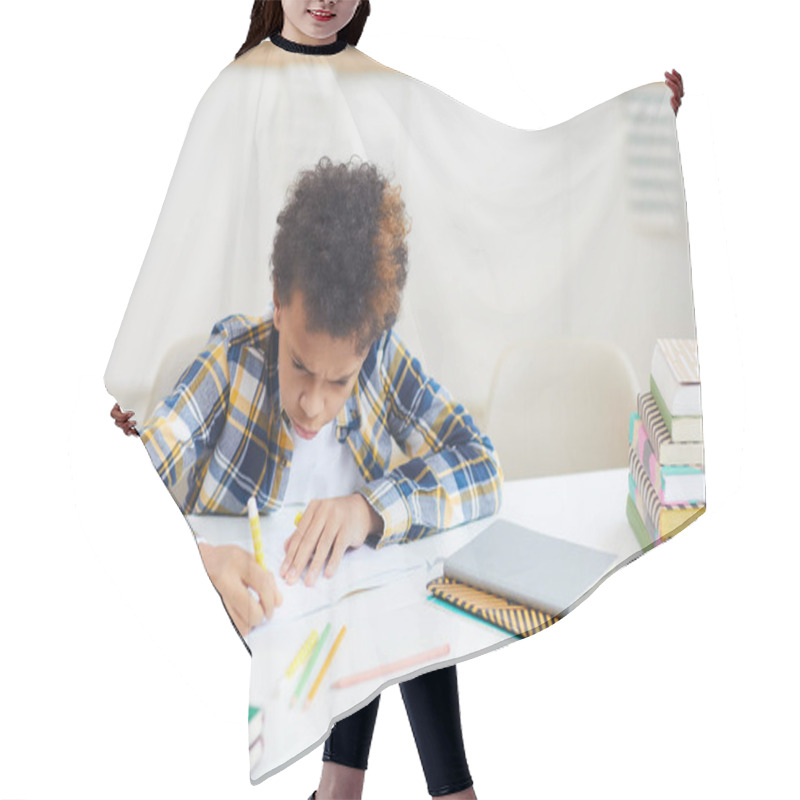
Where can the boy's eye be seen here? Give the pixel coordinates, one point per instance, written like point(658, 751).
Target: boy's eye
point(298, 366)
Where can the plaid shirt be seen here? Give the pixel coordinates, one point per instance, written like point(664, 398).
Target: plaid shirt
point(223, 423)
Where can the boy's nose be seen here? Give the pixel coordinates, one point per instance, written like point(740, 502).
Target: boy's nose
point(312, 404)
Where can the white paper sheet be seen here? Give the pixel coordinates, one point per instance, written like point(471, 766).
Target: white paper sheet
point(360, 569)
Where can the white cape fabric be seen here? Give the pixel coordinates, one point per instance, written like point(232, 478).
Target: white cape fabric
point(543, 268)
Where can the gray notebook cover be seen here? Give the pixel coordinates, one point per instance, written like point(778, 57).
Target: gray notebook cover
point(528, 567)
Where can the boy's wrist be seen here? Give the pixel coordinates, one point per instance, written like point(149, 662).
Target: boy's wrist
point(375, 519)
point(389, 504)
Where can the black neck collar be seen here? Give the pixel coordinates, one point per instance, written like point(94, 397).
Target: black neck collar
point(308, 49)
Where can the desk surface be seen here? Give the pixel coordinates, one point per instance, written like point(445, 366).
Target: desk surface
point(389, 616)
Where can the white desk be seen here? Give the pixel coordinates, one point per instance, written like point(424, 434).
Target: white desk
point(396, 619)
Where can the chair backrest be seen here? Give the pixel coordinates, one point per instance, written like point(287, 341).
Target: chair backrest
point(561, 405)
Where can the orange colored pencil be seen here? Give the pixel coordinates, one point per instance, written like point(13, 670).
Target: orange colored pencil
point(324, 668)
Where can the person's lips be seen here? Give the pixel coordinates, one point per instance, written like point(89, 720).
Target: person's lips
point(305, 433)
point(323, 16)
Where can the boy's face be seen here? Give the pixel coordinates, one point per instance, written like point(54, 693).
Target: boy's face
point(316, 372)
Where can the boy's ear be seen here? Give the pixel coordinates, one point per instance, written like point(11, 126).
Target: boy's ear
point(277, 312)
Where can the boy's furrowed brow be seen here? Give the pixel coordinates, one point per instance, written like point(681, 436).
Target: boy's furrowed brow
point(300, 363)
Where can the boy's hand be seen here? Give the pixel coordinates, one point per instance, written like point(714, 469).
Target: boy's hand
point(232, 570)
point(124, 420)
point(328, 527)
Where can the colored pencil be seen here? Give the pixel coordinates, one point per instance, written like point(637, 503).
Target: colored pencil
point(303, 653)
point(325, 666)
point(255, 532)
point(394, 666)
point(310, 665)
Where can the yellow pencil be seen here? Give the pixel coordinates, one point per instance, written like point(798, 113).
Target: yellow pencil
point(298, 518)
point(255, 531)
point(325, 666)
point(302, 653)
point(309, 668)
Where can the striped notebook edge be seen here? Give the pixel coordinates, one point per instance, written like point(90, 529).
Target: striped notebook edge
point(518, 619)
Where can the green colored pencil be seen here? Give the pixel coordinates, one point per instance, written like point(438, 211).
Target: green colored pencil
point(310, 664)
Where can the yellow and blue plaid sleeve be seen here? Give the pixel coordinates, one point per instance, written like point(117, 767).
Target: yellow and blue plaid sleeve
point(452, 475)
point(186, 424)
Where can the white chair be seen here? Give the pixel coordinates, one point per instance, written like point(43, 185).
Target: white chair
point(561, 405)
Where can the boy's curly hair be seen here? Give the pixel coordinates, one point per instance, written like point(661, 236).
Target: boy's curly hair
point(341, 240)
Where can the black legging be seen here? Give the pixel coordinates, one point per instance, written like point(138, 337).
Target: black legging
point(432, 706)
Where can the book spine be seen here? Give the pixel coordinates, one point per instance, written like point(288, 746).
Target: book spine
point(643, 448)
point(648, 527)
point(663, 377)
point(654, 425)
point(637, 524)
point(681, 429)
point(667, 452)
point(662, 477)
point(661, 521)
point(647, 493)
point(662, 406)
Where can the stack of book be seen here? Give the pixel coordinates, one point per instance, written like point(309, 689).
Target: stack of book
point(255, 727)
point(667, 480)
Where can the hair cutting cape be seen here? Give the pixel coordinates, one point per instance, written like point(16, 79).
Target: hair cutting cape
point(549, 291)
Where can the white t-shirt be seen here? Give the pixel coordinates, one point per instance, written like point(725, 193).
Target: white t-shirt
point(321, 467)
